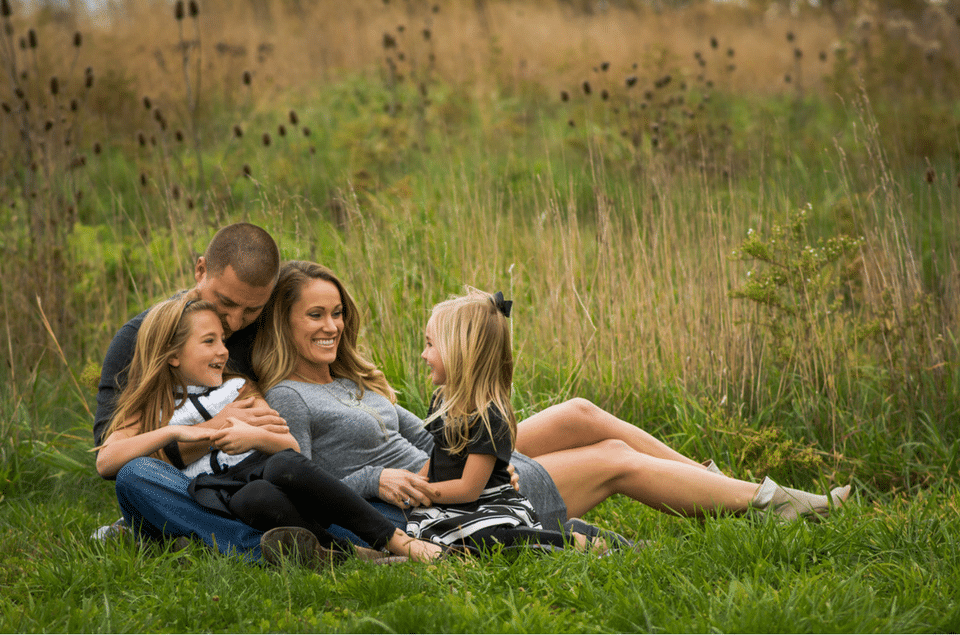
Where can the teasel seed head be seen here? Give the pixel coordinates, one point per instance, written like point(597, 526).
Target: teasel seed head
point(142, 139)
point(586, 88)
point(175, 192)
point(306, 131)
point(797, 53)
point(48, 125)
point(246, 169)
point(237, 131)
point(294, 119)
point(426, 34)
point(730, 52)
point(74, 105)
point(713, 42)
point(178, 10)
point(282, 130)
point(823, 56)
point(564, 95)
point(147, 103)
point(931, 176)
point(194, 8)
point(605, 66)
point(32, 38)
point(5, 9)
point(604, 94)
point(790, 36)
point(266, 139)
point(88, 78)
point(571, 123)
point(77, 39)
point(247, 78)
point(631, 81)
point(143, 179)
point(178, 135)
point(54, 86)
point(97, 148)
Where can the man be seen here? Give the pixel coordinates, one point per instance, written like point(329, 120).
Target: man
point(237, 273)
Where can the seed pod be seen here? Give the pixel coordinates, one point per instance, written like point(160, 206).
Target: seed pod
point(141, 139)
point(88, 78)
point(175, 192)
point(713, 42)
point(147, 103)
point(54, 86)
point(237, 131)
point(631, 81)
point(77, 39)
point(306, 131)
point(246, 169)
point(178, 10)
point(74, 105)
point(97, 149)
point(564, 95)
point(47, 126)
point(143, 179)
point(294, 120)
point(426, 34)
point(32, 38)
point(797, 53)
point(178, 135)
point(5, 9)
point(586, 88)
point(194, 9)
point(266, 139)
point(282, 130)
point(931, 175)
point(605, 66)
point(789, 36)
point(246, 78)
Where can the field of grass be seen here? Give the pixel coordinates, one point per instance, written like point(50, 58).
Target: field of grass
point(735, 227)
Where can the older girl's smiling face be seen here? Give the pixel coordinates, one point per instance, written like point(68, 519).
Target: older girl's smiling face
point(203, 356)
point(316, 323)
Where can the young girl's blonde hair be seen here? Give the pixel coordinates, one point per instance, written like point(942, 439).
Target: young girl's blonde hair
point(152, 382)
point(473, 337)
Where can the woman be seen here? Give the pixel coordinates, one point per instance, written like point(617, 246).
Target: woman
point(343, 414)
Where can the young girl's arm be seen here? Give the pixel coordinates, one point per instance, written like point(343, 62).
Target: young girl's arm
point(126, 444)
point(467, 488)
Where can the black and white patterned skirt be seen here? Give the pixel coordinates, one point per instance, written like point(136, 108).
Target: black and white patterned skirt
point(500, 506)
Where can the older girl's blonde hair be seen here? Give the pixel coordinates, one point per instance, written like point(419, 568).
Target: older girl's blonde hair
point(149, 396)
point(275, 353)
point(473, 337)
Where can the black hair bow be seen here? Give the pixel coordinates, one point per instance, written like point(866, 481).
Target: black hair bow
point(502, 305)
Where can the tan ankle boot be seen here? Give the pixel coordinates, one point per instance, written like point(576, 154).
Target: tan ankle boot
point(789, 504)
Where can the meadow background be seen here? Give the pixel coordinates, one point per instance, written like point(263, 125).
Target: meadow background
point(735, 225)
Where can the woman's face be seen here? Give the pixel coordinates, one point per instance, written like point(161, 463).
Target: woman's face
point(316, 323)
point(203, 356)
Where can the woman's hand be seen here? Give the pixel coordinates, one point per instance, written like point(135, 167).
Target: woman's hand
point(189, 434)
point(405, 489)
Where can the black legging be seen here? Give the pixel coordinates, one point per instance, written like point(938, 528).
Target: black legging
point(292, 491)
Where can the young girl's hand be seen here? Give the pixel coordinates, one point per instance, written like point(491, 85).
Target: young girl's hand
point(236, 437)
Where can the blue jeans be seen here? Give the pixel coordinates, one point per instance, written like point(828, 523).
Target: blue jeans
point(154, 500)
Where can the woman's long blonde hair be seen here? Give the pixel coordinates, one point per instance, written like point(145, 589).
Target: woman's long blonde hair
point(274, 352)
point(149, 396)
point(473, 337)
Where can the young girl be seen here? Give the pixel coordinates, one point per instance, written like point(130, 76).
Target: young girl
point(175, 384)
point(469, 354)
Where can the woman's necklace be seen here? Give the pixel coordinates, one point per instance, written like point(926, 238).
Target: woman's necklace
point(353, 401)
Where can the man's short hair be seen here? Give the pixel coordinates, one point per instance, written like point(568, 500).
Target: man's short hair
point(250, 250)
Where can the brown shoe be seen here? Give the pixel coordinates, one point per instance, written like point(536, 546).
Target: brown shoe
point(299, 545)
point(378, 557)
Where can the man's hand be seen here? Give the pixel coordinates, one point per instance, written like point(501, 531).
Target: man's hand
point(252, 411)
point(405, 489)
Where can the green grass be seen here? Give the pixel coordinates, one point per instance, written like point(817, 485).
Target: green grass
point(616, 240)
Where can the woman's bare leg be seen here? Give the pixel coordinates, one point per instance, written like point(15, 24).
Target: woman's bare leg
point(578, 423)
point(586, 476)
